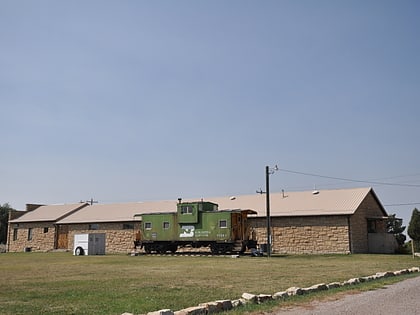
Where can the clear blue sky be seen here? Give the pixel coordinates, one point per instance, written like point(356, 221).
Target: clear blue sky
point(148, 100)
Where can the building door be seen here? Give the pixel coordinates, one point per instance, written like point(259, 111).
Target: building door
point(237, 226)
point(62, 237)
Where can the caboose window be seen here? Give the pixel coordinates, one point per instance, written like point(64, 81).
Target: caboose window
point(222, 224)
point(166, 225)
point(186, 210)
point(148, 225)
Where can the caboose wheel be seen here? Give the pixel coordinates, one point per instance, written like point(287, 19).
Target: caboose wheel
point(147, 249)
point(214, 249)
point(173, 248)
point(161, 249)
point(224, 249)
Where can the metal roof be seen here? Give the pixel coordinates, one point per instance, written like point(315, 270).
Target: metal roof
point(117, 212)
point(304, 203)
point(48, 213)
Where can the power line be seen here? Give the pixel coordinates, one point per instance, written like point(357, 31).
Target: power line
point(403, 204)
point(399, 176)
point(349, 180)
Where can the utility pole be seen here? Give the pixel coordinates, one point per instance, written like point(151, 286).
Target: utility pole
point(267, 205)
point(268, 172)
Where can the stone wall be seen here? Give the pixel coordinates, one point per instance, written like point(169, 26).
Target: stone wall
point(369, 208)
point(43, 237)
point(358, 232)
point(305, 235)
point(290, 235)
point(119, 238)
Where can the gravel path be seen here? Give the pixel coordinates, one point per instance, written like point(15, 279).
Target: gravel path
point(401, 298)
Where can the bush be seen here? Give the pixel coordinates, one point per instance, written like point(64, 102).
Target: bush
point(404, 249)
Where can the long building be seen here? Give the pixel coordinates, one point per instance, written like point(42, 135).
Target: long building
point(321, 222)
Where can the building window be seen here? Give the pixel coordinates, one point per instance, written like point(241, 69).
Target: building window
point(186, 210)
point(165, 225)
point(45, 230)
point(372, 226)
point(128, 226)
point(94, 226)
point(223, 224)
point(15, 234)
point(30, 234)
point(147, 225)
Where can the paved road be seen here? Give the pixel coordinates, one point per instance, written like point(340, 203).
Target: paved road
point(402, 298)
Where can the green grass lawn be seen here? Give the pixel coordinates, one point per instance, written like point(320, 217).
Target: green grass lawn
point(59, 283)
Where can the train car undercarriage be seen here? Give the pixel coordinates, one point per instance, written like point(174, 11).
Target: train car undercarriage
point(215, 248)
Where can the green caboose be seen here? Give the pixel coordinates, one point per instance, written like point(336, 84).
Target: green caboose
point(196, 224)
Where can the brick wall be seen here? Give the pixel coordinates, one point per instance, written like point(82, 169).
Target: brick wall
point(43, 237)
point(305, 235)
point(117, 240)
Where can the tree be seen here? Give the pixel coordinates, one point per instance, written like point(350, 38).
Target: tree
point(4, 220)
point(394, 226)
point(414, 227)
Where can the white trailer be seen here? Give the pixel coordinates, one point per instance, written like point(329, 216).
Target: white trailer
point(89, 244)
